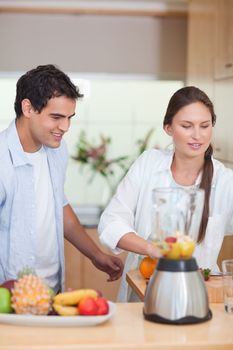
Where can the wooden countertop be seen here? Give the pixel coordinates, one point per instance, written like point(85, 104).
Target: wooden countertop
point(213, 285)
point(127, 329)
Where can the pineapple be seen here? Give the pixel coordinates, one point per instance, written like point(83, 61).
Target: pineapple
point(31, 295)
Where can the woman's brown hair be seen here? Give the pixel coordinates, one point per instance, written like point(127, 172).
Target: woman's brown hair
point(181, 98)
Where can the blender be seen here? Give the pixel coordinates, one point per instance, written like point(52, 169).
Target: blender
point(176, 293)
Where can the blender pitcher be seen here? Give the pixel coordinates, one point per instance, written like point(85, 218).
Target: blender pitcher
point(176, 211)
point(176, 292)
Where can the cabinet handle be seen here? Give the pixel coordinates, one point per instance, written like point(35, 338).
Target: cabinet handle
point(228, 65)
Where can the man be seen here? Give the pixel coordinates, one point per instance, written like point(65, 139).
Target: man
point(34, 213)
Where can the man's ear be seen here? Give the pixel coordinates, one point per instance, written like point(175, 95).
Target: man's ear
point(27, 108)
point(168, 129)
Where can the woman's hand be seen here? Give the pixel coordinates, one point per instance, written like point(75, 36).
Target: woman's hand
point(133, 243)
point(112, 265)
point(153, 251)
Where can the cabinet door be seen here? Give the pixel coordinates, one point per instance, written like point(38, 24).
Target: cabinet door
point(223, 140)
point(81, 273)
point(226, 251)
point(96, 279)
point(73, 267)
point(224, 39)
point(200, 65)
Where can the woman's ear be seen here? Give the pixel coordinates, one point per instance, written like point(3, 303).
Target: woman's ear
point(27, 108)
point(168, 129)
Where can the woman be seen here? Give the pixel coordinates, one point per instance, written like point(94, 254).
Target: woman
point(125, 223)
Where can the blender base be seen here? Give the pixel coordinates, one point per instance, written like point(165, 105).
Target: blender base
point(183, 320)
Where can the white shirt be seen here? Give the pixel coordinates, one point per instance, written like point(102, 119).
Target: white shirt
point(130, 208)
point(47, 258)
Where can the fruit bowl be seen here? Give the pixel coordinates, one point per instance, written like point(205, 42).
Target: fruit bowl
point(57, 321)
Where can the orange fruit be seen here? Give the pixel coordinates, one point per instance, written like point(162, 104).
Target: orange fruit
point(147, 266)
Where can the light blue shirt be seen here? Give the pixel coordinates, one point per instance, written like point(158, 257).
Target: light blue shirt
point(18, 206)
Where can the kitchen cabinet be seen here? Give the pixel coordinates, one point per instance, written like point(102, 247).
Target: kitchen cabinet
point(81, 273)
point(210, 56)
point(200, 64)
point(224, 39)
point(223, 141)
point(226, 251)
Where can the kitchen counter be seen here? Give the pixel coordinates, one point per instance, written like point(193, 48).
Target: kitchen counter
point(138, 283)
point(127, 329)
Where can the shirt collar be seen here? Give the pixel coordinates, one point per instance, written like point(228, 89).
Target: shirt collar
point(15, 148)
point(166, 162)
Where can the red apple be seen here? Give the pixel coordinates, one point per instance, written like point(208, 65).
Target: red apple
point(171, 239)
point(88, 307)
point(9, 284)
point(103, 307)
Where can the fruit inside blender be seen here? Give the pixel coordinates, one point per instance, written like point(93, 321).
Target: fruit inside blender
point(177, 246)
point(176, 217)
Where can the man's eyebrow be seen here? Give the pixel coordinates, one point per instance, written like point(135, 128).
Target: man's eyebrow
point(61, 115)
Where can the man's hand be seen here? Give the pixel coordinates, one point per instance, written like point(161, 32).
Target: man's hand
point(76, 235)
point(112, 265)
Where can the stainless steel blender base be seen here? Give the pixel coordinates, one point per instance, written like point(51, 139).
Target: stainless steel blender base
point(183, 320)
point(176, 293)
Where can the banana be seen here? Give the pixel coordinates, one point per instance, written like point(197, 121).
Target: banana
point(74, 297)
point(66, 310)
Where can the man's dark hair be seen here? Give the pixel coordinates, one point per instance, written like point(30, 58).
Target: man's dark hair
point(41, 84)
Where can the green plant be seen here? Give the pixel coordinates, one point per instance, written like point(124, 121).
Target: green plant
point(96, 157)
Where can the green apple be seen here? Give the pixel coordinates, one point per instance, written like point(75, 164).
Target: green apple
point(5, 301)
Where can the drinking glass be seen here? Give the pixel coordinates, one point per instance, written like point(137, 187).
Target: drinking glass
point(227, 270)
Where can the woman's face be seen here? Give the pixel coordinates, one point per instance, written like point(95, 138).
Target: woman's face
point(191, 130)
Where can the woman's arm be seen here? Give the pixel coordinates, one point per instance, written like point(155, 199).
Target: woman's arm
point(131, 242)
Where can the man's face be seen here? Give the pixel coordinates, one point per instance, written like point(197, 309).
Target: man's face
point(48, 127)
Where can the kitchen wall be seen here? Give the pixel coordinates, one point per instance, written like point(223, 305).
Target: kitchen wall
point(124, 110)
point(97, 44)
point(132, 65)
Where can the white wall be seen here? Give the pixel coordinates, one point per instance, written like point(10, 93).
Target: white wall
point(106, 44)
point(124, 110)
